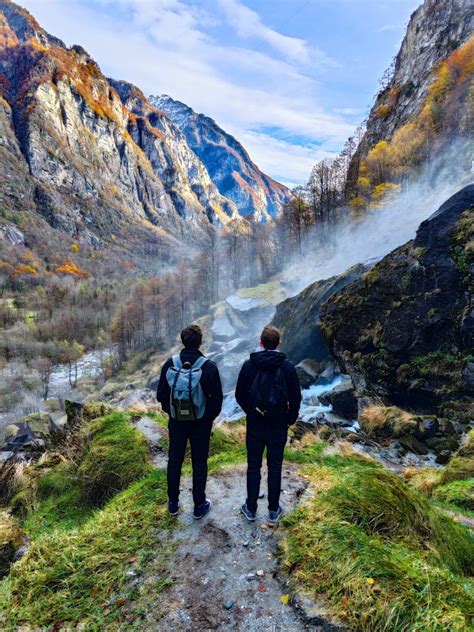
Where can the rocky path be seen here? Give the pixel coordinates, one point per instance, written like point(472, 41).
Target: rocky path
point(225, 570)
point(225, 573)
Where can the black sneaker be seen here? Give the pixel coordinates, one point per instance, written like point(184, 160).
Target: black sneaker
point(250, 515)
point(201, 510)
point(173, 508)
point(274, 516)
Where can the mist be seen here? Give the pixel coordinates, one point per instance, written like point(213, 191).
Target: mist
point(385, 228)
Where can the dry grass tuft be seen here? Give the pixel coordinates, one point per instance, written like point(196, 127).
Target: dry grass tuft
point(386, 421)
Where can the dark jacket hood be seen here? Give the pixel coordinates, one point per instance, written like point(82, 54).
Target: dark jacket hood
point(190, 355)
point(269, 360)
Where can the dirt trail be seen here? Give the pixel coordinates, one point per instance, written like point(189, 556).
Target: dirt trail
point(225, 570)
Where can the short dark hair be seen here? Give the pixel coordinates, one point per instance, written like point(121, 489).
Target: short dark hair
point(191, 337)
point(270, 337)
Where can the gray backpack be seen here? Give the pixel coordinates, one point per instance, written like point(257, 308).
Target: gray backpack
point(187, 400)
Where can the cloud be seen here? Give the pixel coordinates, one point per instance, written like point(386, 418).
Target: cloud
point(177, 48)
point(247, 24)
point(388, 27)
point(349, 111)
point(287, 162)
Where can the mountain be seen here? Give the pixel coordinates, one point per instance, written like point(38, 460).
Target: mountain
point(425, 105)
point(227, 161)
point(91, 158)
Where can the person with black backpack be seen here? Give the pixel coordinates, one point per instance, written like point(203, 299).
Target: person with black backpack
point(269, 393)
point(190, 392)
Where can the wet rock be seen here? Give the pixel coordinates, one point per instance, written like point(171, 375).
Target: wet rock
point(427, 427)
point(443, 457)
point(409, 348)
point(412, 444)
point(442, 444)
point(328, 373)
point(342, 399)
point(298, 317)
point(308, 371)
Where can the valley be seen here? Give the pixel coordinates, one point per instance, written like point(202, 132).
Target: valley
point(123, 218)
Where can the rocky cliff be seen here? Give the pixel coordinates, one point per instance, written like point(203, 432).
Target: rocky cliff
point(405, 329)
point(429, 87)
point(92, 157)
point(227, 161)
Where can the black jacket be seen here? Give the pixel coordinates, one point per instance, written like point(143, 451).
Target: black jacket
point(210, 382)
point(269, 360)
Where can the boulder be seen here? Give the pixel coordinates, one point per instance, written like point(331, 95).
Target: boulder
point(412, 444)
point(308, 371)
point(40, 424)
point(73, 410)
point(402, 326)
point(53, 405)
point(342, 399)
point(298, 317)
point(153, 383)
point(140, 400)
point(427, 427)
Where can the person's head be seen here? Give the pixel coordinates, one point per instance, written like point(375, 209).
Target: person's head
point(270, 338)
point(191, 337)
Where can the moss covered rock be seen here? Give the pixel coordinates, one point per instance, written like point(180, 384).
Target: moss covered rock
point(298, 317)
point(407, 328)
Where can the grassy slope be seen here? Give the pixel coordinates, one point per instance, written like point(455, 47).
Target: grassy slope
point(380, 551)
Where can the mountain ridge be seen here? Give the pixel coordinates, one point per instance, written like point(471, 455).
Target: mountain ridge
point(227, 161)
point(91, 156)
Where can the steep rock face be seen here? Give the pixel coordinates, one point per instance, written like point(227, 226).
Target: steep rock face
point(227, 161)
point(435, 30)
point(299, 316)
point(406, 328)
point(92, 155)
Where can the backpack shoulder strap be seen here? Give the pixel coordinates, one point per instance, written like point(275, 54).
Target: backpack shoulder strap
point(200, 362)
point(176, 360)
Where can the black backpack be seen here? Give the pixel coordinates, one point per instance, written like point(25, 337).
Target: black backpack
point(269, 394)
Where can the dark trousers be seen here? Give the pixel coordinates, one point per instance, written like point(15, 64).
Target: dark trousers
point(198, 433)
point(261, 435)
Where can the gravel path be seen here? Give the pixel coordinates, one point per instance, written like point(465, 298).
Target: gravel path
point(225, 571)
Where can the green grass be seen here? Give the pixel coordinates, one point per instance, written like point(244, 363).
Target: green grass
point(382, 554)
point(114, 454)
point(453, 485)
point(79, 575)
point(459, 493)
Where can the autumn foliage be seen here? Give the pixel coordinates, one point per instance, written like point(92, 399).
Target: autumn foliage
point(389, 163)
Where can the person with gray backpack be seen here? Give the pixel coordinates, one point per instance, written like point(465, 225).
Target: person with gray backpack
point(190, 392)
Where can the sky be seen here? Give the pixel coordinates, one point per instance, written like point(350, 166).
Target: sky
point(291, 79)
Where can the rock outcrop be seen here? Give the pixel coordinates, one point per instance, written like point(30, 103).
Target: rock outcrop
point(234, 173)
point(405, 329)
point(435, 30)
point(298, 317)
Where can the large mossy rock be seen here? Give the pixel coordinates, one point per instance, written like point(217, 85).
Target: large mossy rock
point(298, 317)
point(406, 328)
